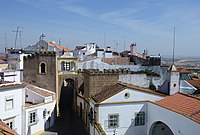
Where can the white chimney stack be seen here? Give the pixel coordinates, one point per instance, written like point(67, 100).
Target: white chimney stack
point(133, 49)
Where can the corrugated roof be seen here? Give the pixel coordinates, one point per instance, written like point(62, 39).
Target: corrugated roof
point(184, 104)
point(60, 47)
point(5, 130)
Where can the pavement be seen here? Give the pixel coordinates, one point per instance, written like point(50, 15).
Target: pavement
point(68, 123)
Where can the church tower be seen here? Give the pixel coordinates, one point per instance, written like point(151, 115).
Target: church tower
point(173, 78)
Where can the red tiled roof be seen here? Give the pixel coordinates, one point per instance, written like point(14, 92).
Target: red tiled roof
point(39, 91)
point(5, 130)
point(111, 90)
point(195, 83)
point(60, 47)
point(186, 105)
point(183, 70)
point(108, 91)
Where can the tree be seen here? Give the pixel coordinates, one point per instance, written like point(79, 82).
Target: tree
point(152, 87)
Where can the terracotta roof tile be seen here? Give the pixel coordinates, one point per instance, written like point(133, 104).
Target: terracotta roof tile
point(111, 90)
point(39, 91)
point(183, 70)
point(60, 47)
point(6, 129)
point(183, 104)
point(108, 91)
point(195, 83)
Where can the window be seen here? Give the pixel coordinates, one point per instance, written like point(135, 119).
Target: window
point(42, 68)
point(9, 105)
point(32, 117)
point(140, 119)
point(62, 66)
point(68, 66)
point(10, 122)
point(113, 121)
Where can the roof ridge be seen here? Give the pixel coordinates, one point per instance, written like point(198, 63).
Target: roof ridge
point(192, 96)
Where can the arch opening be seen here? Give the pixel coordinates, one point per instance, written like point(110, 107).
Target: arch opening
point(160, 128)
point(66, 96)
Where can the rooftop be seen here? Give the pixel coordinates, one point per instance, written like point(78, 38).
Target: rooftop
point(186, 105)
point(5, 130)
point(8, 84)
point(109, 91)
point(40, 91)
point(60, 47)
point(195, 83)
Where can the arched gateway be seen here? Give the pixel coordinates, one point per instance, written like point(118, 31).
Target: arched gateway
point(160, 128)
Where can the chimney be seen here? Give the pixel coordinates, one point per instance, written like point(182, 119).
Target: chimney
point(133, 49)
point(145, 54)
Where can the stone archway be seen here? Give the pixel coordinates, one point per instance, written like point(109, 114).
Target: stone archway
point(160, 128)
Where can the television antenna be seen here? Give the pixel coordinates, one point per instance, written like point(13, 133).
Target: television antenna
point(174, 44)
point(17, 31)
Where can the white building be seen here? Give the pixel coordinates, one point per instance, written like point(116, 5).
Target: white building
point(124, 109)
point(12, 100)
point(39, 110)
point(26, 109)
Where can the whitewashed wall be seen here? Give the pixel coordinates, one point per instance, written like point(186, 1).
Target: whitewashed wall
point(17, 94)
point(42, 122)
point(135, 79)
point(179, 124)
point(127, 113)
point(135, 95)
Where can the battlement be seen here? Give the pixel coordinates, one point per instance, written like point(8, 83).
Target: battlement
point(105, 71)
point(31, 56)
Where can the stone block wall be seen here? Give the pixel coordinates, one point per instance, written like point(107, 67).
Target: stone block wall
point(31, 70)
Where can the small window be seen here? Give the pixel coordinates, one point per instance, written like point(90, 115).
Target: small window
point(140, 119)
point(9, 103)
point(113, 121)
point(43, 68)
point(32, 117)
point(10, 123)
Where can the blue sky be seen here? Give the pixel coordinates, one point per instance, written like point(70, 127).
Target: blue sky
point(149, 23)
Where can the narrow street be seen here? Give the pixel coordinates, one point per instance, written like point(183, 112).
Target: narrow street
point(68, 123)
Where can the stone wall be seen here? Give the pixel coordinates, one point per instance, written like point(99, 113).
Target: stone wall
point(31, 70)
point(95, 80)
